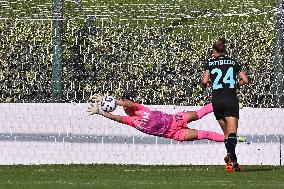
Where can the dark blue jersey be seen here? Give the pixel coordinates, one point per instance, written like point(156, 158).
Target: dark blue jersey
point(223, 75)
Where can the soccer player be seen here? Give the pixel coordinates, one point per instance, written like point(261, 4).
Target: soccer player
point(222, 72)
point(158, 123)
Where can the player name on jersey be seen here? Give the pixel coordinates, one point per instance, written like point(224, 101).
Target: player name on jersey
point(221, 62)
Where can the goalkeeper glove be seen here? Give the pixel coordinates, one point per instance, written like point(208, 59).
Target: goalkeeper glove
point(95, 109)
point(96, 98)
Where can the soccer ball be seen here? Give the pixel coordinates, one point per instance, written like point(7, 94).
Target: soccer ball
point(108, 103)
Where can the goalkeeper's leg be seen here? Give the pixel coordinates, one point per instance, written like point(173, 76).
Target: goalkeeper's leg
point(192, 134)
point(198, 114)
point(208, 108)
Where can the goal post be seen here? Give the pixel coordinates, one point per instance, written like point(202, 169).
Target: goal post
point(278, 55)
point(57, 40)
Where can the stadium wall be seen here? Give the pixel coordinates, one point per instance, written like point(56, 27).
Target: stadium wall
point(51, 133)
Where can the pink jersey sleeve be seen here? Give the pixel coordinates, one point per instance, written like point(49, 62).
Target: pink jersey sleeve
point(128, 120)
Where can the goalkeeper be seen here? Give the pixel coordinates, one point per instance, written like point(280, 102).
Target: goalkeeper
point(158, 123)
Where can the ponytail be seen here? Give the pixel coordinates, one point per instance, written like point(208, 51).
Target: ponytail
point(220, 45)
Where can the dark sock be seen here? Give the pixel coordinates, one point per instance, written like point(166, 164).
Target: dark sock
point(231, 146)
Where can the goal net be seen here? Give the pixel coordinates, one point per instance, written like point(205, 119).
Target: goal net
point(155, 48)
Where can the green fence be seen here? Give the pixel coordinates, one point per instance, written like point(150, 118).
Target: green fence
point(154, 48)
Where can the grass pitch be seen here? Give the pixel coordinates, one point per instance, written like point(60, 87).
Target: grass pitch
point(137, 176)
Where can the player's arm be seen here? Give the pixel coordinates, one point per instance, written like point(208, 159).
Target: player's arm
point(205, 79)
point(113, 117)
point(243, 79)
point(95, 109)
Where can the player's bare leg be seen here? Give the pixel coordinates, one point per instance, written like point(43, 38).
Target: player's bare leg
point(223, 126)
point(191, 116)
point(190, 135)
point(203, 111)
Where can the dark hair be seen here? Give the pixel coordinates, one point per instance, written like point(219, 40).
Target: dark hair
point(129, 95)
point(220, 45)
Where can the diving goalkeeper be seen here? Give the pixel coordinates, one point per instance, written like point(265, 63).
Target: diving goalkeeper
point(157, 123)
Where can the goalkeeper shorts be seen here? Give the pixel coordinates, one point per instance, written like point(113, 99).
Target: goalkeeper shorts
point(178, 127)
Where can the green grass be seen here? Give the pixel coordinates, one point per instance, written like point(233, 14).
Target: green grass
point(135, 176)
point(185, 16)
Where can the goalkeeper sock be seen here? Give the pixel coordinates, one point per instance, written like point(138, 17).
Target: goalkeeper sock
point(204, 111)
point(210, 136)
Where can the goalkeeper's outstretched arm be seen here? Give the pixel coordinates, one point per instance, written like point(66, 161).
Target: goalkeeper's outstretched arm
point(95, 109)
point(113, 117)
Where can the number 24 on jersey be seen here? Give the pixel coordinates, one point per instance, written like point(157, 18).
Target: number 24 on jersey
point(227, 79)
